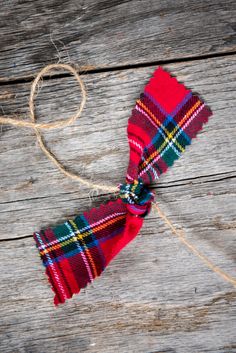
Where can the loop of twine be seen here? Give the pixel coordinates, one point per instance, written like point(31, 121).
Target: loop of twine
point(69, 121)
point(57, 124)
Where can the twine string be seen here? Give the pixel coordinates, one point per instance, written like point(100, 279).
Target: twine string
point(54, 125)
point(193, 249)
point(69, 121)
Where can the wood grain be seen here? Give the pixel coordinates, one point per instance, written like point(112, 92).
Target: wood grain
point(155, 297)
point(96, 145)
point(102, 34)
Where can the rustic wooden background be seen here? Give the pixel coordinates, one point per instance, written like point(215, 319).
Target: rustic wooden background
point(155, 297)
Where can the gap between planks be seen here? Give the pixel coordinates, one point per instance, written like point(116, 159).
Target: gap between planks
point(87, 71)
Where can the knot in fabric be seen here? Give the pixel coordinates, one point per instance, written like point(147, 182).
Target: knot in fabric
point(137, 196)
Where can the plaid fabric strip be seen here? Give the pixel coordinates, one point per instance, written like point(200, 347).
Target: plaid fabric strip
point(77, 251)
point(165, 119)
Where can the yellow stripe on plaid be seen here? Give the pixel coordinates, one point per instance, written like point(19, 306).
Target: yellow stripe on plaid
point(87, 252)
point(135, 182)
point(69, 241)
point(168, 133)
point(159, 150)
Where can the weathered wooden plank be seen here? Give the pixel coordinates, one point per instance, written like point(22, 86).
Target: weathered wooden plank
point(154, 297)
point(97, 144)
point(100, 34)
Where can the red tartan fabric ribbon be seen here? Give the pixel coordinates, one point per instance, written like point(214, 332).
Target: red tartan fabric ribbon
point(165, 119)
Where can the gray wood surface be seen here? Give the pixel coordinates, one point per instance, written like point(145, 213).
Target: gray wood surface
point(155, 297)
point(101, 34)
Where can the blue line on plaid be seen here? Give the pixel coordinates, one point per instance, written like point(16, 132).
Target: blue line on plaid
point(95, 240)
point(78, 251)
